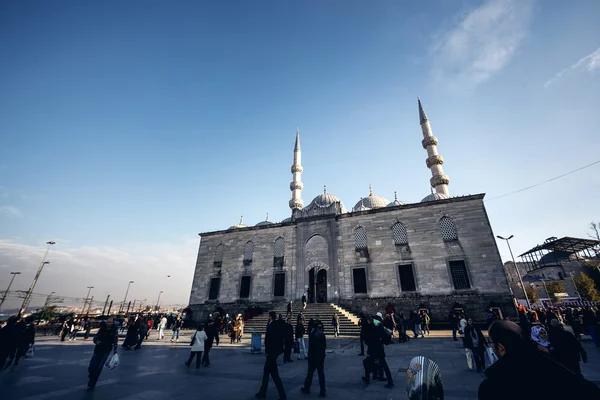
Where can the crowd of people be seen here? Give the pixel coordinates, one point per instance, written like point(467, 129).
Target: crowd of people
point(17, 337)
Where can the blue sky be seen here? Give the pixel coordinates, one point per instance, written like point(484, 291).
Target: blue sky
point(128, 127)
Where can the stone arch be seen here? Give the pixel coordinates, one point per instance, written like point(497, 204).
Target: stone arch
point(317, 265)
point(316, 249)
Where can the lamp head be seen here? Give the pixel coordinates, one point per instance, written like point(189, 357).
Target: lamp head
point(51, 242)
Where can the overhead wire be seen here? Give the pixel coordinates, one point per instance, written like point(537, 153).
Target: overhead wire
point(546, 181)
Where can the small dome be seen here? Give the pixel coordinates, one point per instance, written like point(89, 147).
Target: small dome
point(371, 202)
point(325, 200)
point(240, 225)
point(435, 196)
point(265, 222)
point(396, 202)
point(287, 220)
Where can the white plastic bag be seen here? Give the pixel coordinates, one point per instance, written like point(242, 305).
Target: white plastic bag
point(113, 362)
point(490, 356)
point(30, 352)
point(470, 361)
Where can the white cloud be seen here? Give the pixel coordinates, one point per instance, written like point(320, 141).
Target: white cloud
point(481, 44)
point(11, 211)
point(589, 63)
point(108, 269)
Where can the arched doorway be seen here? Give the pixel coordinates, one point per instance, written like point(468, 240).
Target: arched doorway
point(317, 284)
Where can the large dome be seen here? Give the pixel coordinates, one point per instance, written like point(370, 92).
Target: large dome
point(325, 200)
point(396, 202)
point(435, 196)
point(370, 202)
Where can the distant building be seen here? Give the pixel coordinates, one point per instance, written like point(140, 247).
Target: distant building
point(432, 254)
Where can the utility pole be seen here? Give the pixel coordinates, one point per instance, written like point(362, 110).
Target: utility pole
point(37, 275)
point(516, 268)
point(86, 298)
point(105, 304)
point(109, 307)
point(89, 305)
point(9, 285)
point(158, 301)
point(574, 284)
point(128, 305)
point(133, 308)
point(126, 293)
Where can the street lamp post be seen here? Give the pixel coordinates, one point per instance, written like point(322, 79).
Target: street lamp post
point(574, 284)
point(86, 298)
point(126, 293)
point(48, 299)
point(516, 267)
point(9, 285)
point(158, 301)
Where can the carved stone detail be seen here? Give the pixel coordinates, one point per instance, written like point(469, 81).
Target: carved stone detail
point(296, 185)
point(433, 160)
point(429, 141)
point(297, 168)
point(296, 203)
point(437, 180)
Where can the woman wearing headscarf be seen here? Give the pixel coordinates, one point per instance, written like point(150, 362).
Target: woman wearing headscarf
point(540, 338)
point(424, 380)
point(475, 341)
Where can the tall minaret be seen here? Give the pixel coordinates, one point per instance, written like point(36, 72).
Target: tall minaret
point(439, 181)
point(296, 184)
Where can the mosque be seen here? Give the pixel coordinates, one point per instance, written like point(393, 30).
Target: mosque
point(437, 254)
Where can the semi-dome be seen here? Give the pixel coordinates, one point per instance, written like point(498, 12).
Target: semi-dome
point(396, 202)
point(435, 196)
point(371, 202)
point(325, 200)
point(239, 225)
point(265, 222)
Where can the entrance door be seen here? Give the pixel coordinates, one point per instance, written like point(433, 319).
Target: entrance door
point(321, 286)
point(311, 286)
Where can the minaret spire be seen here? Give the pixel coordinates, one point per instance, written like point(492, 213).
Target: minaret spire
point(296, 185)
point(439, 181)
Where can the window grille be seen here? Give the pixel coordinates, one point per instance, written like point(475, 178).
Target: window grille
point(248, 250)
point(407, 278)
point(279, 250)
point(460, 278)
point(400, 235)
point(448, 229)
point(219, 256)
point(360, 238)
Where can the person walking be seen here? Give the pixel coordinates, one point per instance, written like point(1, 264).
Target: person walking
point(142, 333)
point(317, 344)
point(362, 322)
point(12, 333)
point(590, 322)
point(211, 333)
point(453, 317)
point(197, 342)
point(304, 301)
point(106, 341)
point(539, 337)
point(274, 339)
point(25, 340)
point(566, 350)
point(176, 327)
point(376, 350)
point(288, 344)
point(161, 327)
point(335, 322)
point(234, 330)
point(475, 341)
point(518, 359)
point(300, 331)
point(131, 337)
point(150, 324)
point(290, 308)
point(240, 332)
point(462, 325)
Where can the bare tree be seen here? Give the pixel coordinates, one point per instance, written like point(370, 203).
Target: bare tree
point(594, 233)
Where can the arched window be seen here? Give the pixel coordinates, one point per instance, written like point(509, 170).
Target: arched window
point(219, 256)
point(360, 241)
point(448, 229)
point(400, 235)
point(248, 250)
point(278, 254)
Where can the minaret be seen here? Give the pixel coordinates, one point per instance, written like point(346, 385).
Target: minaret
point(439, 181)
point(296, 184)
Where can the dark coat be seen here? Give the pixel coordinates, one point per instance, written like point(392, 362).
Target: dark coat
point(566, 349)
point(469, 340)
point(211, 331)
point(274, 337)
point(511, 378)
point(288, 335)
point(372, 337)
point(106, 339)
point(317, 343)
point(303, 298)
point(300, 331)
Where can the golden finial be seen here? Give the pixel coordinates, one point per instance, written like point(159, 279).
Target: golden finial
point(395, 196)
point(241, 219)
point(370, 190)
point(324, 189)
point(266, 219)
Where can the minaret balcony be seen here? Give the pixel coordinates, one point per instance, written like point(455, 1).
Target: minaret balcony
point(297, 168)
point(296, 185)
point(438, 180)
point(296, 203)
point(429, 141)
point(434, 160)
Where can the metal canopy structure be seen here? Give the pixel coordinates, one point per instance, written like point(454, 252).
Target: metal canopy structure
point(568, 244)
point(554, 252)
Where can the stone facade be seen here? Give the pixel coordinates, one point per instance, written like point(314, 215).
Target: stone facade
point(326, 240)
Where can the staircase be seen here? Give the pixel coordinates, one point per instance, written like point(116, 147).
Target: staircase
point(323, 311)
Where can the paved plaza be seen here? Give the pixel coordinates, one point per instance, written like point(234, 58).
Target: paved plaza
point(157, 371)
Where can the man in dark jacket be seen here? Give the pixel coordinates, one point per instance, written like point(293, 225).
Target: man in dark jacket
point(518, 360)
point(274, 339)
point(26, 339)
point(317, 343)
point(453, 317)
point(373, 332)
point(565, 348)
point(106, 341)
point(300, 331)
point(211, 332)
point(288, 344)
